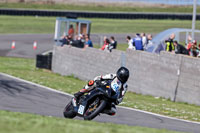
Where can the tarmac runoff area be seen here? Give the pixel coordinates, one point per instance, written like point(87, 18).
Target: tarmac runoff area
point(23, 96)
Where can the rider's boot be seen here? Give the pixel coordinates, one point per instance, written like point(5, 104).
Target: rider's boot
point(112, 110)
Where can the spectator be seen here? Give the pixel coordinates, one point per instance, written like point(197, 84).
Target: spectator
point(198, 50)
point(130, 43)
point(193, 49)
point(65, 40)
point(70, 39)
point(198, 46)
point(137, 42)
point(144, 40)
point(189, 42)
point(71, 31)
point(113, 43)
point(149, 42)
point(180, 49)
point(106, 43)
point(79, 41)
point(169, 43)
point(189, 45)
point(88, 42)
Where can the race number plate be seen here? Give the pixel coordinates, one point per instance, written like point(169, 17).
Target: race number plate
point(115, 86)
point(81, 109)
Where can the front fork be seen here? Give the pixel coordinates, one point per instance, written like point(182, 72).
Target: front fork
point(74, 102)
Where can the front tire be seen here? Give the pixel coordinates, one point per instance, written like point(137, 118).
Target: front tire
point(68, 111)
point(91, 115)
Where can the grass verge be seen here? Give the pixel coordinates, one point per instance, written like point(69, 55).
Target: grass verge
point(19, 66)
point(30, 24)
point(106, 7)
point(28, 123)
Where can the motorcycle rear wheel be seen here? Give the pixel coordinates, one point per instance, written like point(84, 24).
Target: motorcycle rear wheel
point(68, 111)
point(91, 115)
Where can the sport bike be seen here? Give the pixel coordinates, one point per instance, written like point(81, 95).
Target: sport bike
point(98, 100)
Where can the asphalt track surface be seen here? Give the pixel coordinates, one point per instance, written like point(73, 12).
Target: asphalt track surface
point(24, 44)
point(22, 96)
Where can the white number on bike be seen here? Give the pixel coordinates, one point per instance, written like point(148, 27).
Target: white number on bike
point(115, 86)
point(81, 109)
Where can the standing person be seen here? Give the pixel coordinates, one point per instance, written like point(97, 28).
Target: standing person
point(170, 43)
point(88, 42)
point(106, 43)
point(65, 40)
point(130, 43)
point(137, 41)
point(149, 42)
point(79, 41)
point(144, 40)
point(189, 44)
point(198, 50)
point(113, 42)
point(193, 49)
point(180, 49)
point(71, 31)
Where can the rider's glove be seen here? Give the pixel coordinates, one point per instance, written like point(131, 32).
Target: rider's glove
point(97, 82)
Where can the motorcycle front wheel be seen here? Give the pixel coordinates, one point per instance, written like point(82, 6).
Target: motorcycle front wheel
point(94, 109)
point(68, 111)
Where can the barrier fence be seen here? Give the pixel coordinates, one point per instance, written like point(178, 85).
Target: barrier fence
point(138, 15)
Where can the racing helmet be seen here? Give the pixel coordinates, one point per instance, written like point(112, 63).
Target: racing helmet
point(123, 74)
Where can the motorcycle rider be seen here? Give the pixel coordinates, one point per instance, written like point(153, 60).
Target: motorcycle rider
point(118, 80)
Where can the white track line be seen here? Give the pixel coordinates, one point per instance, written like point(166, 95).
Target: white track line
point(173, 118)
point(128, 108)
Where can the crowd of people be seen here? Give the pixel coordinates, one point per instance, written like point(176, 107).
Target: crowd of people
point(109, 44)
point(80, 41)
point(191, 48)
point(83, 41)
point(139, 42)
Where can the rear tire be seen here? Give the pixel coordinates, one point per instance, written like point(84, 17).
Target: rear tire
point(98, 110)
point(68, 111)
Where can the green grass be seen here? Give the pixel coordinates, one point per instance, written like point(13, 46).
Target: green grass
point(122, 47)
point(25, 69)
point(101, 7)
point(21, 24)
point(28, 24)
point(12, 122)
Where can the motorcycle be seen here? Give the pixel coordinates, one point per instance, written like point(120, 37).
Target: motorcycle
point(98, 100)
